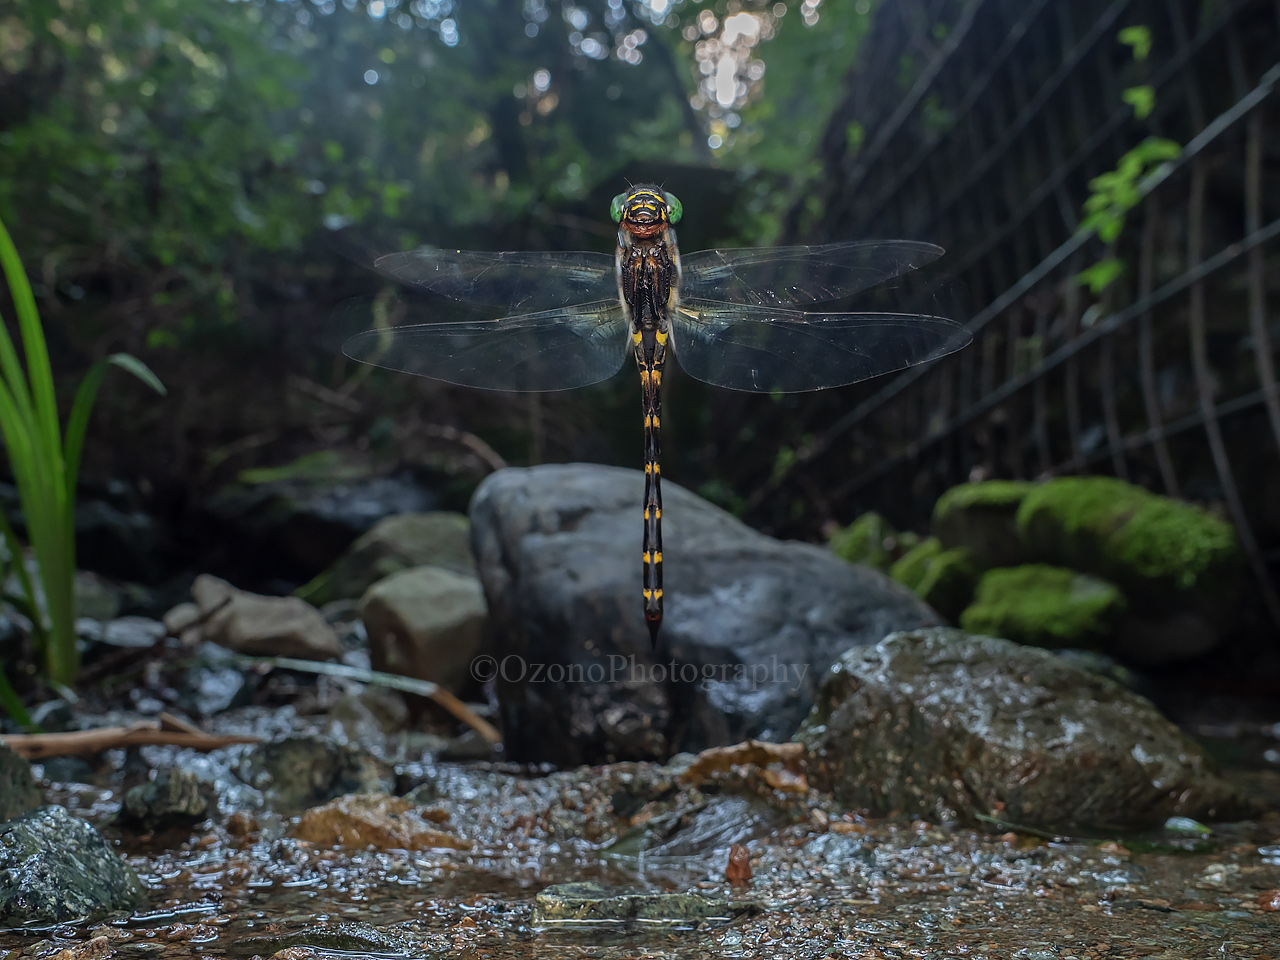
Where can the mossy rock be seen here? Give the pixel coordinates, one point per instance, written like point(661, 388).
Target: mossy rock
point(982, 517)
point(868, 540)
point(1179, 566)
point(944, 579)
point(1156, 549)
point(1044, 606)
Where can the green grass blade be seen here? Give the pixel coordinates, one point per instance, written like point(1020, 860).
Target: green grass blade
point(39, 634)
point(82, 407)
point(39, 373)
point(12, 705)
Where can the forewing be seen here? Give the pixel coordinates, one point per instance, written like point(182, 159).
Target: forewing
point(781, 276)
point(510, 283)
point(547, 350)
point(766, 349)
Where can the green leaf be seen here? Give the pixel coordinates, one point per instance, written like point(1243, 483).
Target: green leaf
point(1109, 229)
point(1157, 150)
point(1101, 275)
point(1142, 99)
point(1139, 38)
point(82, 407)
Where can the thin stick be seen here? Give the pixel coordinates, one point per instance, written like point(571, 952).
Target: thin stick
point(424, 688)
point(79, 743)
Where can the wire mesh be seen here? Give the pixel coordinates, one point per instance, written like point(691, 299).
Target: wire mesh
point(988, 119)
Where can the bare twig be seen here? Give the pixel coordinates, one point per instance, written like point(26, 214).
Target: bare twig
point(489, 456)
point(424, 688)
point(37, 746)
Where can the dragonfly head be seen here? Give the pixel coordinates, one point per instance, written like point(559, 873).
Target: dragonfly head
point(646, 210)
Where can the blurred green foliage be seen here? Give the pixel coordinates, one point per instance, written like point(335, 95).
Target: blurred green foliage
point(1116, 192)
point(197, 142)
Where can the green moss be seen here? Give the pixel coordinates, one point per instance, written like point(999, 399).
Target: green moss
point(864, 541)
point(944, 579)
point(981, 517)
point(995, 494)
point(911, 568)
point(1044, 606)
point(1144, 542)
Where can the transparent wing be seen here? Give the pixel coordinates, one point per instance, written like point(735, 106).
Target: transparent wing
point(512, 282)
point(798, 275)
point(549, 350)
point(763, 349)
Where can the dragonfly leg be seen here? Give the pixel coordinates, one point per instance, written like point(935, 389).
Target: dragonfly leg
point(651, 382)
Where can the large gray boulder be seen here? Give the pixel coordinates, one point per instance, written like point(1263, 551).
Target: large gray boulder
point(751, 622)
point(54, 868)
point(944, 725)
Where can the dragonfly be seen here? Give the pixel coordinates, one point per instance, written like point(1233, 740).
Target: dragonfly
point(737, 319)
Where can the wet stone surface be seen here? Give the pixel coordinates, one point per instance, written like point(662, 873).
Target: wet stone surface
point(824, 881)
point(54, 867)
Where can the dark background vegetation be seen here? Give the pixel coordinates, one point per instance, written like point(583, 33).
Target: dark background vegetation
point(199, 182)
point(195, 183)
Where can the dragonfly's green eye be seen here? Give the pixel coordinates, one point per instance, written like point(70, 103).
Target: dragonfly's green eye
point(675, 209)
point(615, 209)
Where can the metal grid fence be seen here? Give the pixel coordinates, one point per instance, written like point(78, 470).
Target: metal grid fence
point(985, 121)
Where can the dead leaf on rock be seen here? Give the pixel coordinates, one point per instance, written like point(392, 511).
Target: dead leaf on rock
point(786, 781)
point(739, 869)
point(373, 819)
point(755, 752)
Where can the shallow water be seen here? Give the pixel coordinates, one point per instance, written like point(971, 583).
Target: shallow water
point(872, 890)
point(825, 884)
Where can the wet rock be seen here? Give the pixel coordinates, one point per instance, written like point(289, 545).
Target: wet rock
point(54, 868)
point(262, 626)
point(183, 621)
point(396, 543)
point(467, 745)
point(371, 711)
point(579, 903)
point(175, 798)
point(750, 621)
point(944, 579)
point(214, 681)
point(1044, 606)
point(940, 724)
point(705, 830)
point(18, 792)
point(95, 598)
point(377, 820)
point(342, 937)
point(66, 770)
point(302, 772)
point(839, 849)
point(1179, 566)
point(302, 516)
point(428, 623)
point(982, 518)
point(1092, 661)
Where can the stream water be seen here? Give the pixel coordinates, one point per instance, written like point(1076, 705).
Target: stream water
point(824, 885)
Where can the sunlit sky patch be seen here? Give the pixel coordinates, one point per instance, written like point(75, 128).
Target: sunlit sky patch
point(729, 72)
